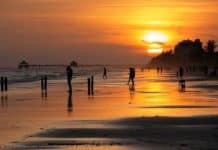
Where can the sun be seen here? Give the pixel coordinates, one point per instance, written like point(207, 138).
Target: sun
point(155, 42)
point(155, 37)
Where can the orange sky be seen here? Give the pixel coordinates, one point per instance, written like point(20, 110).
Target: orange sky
point(98, 31)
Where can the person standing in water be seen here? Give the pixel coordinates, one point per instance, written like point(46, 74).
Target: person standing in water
point(181, 72)
point(69, 72)
point(131, 75)
point(206, 70)
point(105, 73)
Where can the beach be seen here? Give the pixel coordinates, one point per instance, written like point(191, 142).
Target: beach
point(153, 114)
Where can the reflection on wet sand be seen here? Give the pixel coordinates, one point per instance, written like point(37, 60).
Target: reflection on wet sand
point(70, 103)
point(132, 92)
point(4, 101)
point(152, 95)
point(44, 96)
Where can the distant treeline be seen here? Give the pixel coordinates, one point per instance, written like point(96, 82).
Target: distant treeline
point(186, 53)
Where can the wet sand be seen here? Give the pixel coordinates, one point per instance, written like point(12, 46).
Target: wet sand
point(158, 115)
point(141, 133)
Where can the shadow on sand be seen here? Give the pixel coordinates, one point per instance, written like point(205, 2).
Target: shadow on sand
point(163, 132)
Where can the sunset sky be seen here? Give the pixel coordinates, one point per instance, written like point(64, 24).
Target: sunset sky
point(98, 31)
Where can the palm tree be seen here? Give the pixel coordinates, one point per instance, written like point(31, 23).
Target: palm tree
point(211, 46)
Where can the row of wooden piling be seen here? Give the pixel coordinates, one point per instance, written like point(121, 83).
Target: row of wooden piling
point(90, 84)
point(4, 83)
point(44, 84)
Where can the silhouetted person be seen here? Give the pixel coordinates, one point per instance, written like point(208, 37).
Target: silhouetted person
point(161, 69)
point(158, 69)
point(181, 72)
point(205, 70)
point(182, 82)
point(193, 68)
point(214, 73)
point(131, 75)
point(187, 69)
point(105, 73)
point(182, 85)
point(190, 69)
point(69, 78)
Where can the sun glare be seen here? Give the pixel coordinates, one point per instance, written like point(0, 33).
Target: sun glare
point(155, 37)
point(155, 41)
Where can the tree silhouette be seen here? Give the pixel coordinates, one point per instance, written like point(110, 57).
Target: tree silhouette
point(188, 52)
point(211, 46)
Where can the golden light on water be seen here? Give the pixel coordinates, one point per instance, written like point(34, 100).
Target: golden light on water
point(155, 51)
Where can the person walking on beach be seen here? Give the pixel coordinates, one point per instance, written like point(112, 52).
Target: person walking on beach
point(205, 70)
point(105, 73)
point(181, 72)
point(158, 69)
point(69, 78)
point(131, 75)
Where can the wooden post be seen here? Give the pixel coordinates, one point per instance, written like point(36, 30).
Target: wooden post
point(92, 84)
point(45, 83)
point(89, 86)
point(2, 84)
point(6, 83)
point(42, 85)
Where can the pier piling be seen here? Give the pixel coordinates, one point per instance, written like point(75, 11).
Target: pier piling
point(6, 84)
point(2, 84)
point(89, 86)
point(92, 85)
point(42, 85)
point(46, 82)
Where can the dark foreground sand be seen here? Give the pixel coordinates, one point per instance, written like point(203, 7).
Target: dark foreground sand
point(161, 133)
